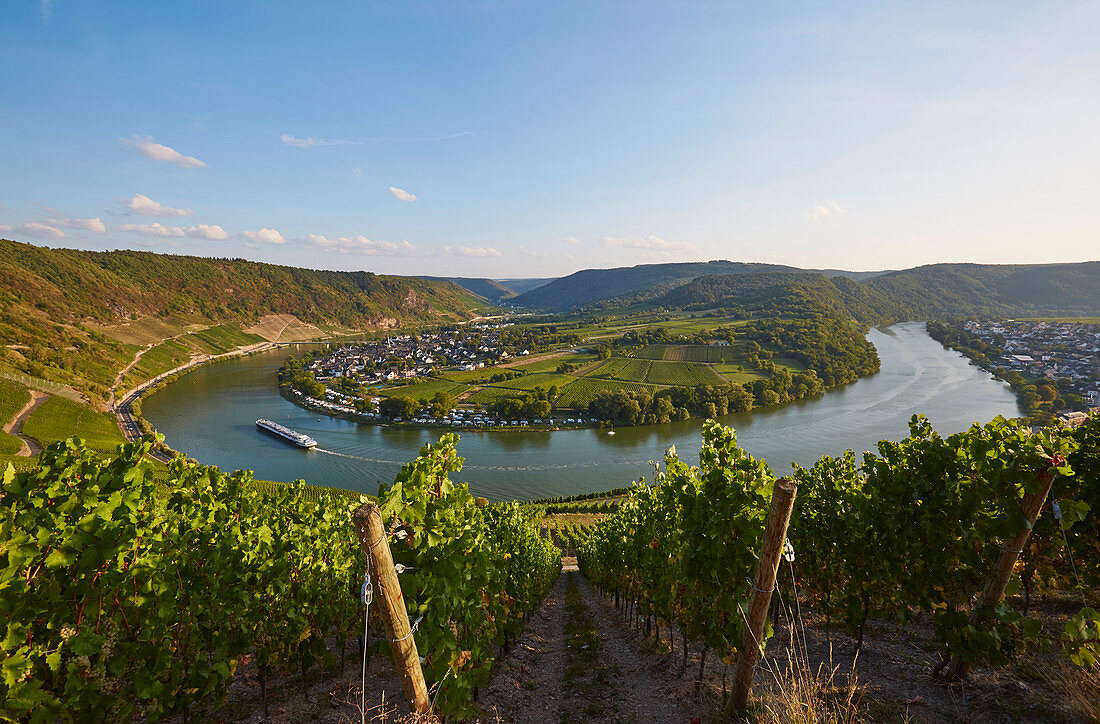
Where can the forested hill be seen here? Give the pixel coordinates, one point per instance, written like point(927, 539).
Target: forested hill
point(70, 284)
point(781, 293)
point(58, 307)
point(997, 290)
point(923, 292)
point(488, 288)
point(644, 281)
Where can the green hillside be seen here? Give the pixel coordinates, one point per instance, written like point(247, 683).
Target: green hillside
point(780, 293)
point(927, 291)
point(488, 288)
point(992, 289)
point(53, 301)
point(644, 281)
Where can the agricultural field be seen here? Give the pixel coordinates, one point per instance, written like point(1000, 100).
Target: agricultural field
point(688, 352)
point(423, 388)
point(530, 382)
point(485, 395)
point(682, 374)
point(165, 356)
point(220, 339)
point(736, 373)
point(552, 363)
point(578, 394)
point(624, 368)
point(468, 377)
point(58, 418)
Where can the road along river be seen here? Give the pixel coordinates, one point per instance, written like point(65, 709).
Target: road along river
point(210, 415)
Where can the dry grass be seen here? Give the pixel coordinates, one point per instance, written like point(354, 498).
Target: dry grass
point(1079, 688)
point(800, 695)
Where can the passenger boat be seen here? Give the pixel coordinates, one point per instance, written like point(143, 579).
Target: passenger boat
point(286, 433)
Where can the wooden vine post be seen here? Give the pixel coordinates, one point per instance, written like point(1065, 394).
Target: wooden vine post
point(395, 618)
point(775, 534)
point(994, 589)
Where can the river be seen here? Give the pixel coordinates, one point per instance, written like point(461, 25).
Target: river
point(210, 413)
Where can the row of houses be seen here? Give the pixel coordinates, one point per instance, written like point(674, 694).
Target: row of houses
point(403, 357)
point(1060, 352)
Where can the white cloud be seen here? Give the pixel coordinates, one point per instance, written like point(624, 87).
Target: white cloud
point(202, 231)
point(40, 231)
point(310, 141)
point(831, 208)
point(207, 231)
point(142, 205)
point(267, 236)
point(159, 152)
point(570, 240)
point(647, 242)
point(531, 252)
point(362, 245)
point(95, 225)
point(401, 194)
point(5, 229)
point(482, 251)
point(46, 8)
point(153, 229)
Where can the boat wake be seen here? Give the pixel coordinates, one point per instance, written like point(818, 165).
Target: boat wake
point(501, 468)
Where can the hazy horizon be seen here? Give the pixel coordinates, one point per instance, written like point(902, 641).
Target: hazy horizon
point(532, 140)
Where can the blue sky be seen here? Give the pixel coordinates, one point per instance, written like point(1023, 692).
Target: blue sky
point(519, 139)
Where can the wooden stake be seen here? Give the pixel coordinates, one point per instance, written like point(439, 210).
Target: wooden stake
point(395, 618)
point(775, 533)
point(1006, 562)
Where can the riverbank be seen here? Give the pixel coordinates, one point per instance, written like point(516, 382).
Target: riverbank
point(128, 413)
point(342, 413)
point(210, 414)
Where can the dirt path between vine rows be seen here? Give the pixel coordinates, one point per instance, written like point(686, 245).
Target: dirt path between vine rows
point(575, 663)
point(31, 447)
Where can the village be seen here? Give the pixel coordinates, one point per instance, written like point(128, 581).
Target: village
point(406, 356)
point(1064, 353)
point(401, 358)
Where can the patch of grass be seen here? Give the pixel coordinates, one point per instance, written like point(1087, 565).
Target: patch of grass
point(584, 677)
point(165, 356)
point(58, 418)
point(425, 387)
point(486, 395)
point(789, 363)
point(552, 364)
point(221, 338)
point(13, 397)
point(530, 382)
point(468, 376)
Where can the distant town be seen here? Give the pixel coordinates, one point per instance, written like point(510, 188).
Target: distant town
point(407, 356)
point(1053, 365)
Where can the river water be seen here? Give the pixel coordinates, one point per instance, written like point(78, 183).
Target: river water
point(210, 413)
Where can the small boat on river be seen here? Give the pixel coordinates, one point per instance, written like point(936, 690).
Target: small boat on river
point(286, 433)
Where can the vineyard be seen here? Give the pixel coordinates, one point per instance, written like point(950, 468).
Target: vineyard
point(689, 352)
point(136, 595)
point(131, 598)
point(577, 395)
point(913, 529)
point(682, 374)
